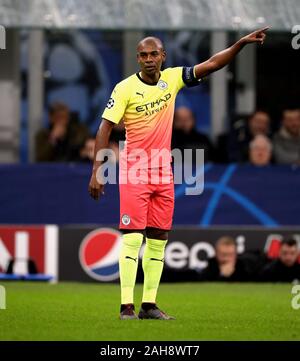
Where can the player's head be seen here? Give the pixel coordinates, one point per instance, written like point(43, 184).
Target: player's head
point(226, 250)
point(150, 55)
point(289, 252)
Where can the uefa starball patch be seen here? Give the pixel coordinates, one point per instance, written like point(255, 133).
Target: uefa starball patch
point(110, 103)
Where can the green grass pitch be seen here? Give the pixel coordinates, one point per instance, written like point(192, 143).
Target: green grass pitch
point(74, 311)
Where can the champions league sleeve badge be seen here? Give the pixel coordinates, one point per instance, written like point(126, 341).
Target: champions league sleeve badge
point(110, 103)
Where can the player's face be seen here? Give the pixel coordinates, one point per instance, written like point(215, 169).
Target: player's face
point(150, 57)
point(288, 255)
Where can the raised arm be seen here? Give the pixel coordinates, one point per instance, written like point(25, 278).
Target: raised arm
point(96, 188)
point(224, 57)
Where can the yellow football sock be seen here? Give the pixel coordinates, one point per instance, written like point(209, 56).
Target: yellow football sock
point(153, 263)
point(128, 264)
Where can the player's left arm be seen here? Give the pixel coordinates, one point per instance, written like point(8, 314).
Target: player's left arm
point(224, 57)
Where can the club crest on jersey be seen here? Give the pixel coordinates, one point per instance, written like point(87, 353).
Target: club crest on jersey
point(162, 84)
point(125, 219)
point(110, 103)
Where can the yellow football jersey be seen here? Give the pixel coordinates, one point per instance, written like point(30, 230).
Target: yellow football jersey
point(148, 109)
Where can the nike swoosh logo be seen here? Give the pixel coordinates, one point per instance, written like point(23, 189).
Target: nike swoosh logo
point(142, 95)
point(156, 259)
point(134, 259)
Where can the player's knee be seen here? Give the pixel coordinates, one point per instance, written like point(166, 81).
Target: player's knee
point(132, 240)
point(156, 233)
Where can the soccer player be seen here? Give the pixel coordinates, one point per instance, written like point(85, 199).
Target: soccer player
point(145, 101)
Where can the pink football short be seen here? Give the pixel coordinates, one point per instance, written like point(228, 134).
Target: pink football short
point(148, 202)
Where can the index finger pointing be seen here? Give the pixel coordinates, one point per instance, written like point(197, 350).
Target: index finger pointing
point(262, 30)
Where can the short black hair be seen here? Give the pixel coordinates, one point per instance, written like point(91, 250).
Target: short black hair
point(291, 242)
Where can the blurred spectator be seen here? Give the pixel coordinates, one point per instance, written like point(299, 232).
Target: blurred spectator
point(259, 123)
point(62, 140)
point(186, 136)
point(243, 133)
point(260, 151)
point(225, 266)
point(286, 142)
point(86, 152)
point(286, 268)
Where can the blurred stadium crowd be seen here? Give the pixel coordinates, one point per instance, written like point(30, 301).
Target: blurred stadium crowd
point(279, 265)
point(252, 139)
